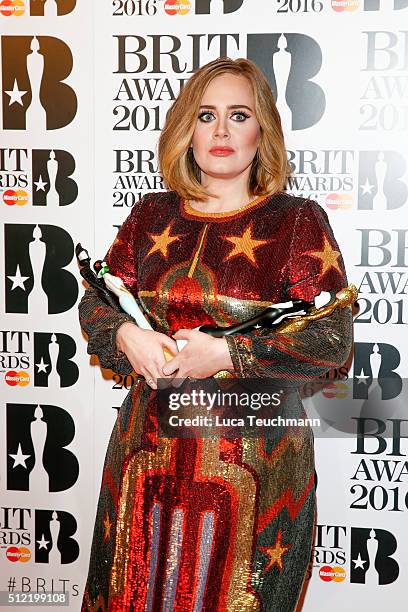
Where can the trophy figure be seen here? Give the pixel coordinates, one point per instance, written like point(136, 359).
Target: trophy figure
point(39, 479)
point(35, 114)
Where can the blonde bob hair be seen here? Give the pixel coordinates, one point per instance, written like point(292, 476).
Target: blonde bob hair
point(270, 167)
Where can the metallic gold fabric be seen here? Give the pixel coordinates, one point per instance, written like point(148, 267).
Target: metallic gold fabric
point(212, 524)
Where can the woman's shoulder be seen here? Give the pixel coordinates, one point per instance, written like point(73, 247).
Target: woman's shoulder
point(293, 202)
point(151, 203)
point(159, 198)
point(298, 206)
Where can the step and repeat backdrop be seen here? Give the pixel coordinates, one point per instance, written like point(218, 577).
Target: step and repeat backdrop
point(85, 90)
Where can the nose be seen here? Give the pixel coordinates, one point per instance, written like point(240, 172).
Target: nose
point(221, 128)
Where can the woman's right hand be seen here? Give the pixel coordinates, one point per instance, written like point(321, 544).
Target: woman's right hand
point(144, 349)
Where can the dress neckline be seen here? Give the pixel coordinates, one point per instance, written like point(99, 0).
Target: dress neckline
point(189, 212)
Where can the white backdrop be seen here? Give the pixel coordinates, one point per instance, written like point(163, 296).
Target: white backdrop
point(85, 88)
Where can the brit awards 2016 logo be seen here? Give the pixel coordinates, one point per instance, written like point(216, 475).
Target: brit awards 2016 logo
point(35, 275)
point(38, 459)
point(33, 71)
point(47, 533)
point(370, 552)
point(152, 70)
point(326, 176)
point(45, 180)
point(41, 8)
point(384, 84)
point(379, 479)
point(38, 358)
point(135, 172)
point(384, 283)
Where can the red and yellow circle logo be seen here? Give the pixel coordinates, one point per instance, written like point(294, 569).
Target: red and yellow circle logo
point(177, 7)
point(17, 197)
point(13, 378)
point(335, 389)
point(10, 8)
point(18, 553)
point(332, 574)
point(336, 201)
point(344, 5)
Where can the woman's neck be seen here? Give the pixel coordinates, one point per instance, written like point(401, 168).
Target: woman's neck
point(232, 194)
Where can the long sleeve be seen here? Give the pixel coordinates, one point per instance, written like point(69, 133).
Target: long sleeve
point(100, 321)
point(314, 264)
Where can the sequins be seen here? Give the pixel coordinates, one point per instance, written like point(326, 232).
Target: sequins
point(203, 524)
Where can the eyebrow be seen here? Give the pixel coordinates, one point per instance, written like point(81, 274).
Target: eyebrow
point(230, 106)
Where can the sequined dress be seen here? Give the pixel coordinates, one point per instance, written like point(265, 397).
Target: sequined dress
point(216, 525)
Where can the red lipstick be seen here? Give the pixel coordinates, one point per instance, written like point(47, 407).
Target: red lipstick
point(221, 151)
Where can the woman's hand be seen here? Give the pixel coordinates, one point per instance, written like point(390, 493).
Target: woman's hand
point(201, 357)
point(144, 349)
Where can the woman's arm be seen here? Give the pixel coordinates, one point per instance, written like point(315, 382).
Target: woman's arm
point(314, 265)
point(100, 321)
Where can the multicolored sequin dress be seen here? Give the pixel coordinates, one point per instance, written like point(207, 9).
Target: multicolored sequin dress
point(213, 525)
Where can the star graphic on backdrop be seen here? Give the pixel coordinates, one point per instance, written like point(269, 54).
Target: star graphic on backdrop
point(328, 257)
point(42, 366)
point(162, 241)
point(16, 94)
point(19, 457)
point(359, 562)
point(245, 245)
point(275, 553)
point(107, 525)
point(43, 542)
point(367, 187)
point(18, 280)
point(40, 184)
point(362, 378)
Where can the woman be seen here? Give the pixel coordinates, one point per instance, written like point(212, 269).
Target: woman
point(219, 525)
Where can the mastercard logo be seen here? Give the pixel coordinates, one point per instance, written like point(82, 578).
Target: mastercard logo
point(332, 574)
point(12, 7)
point(177, 7)
point(344, 5)
point(338, 389)
point(334, 201)
point(17, 197)
point(12, 378)
point(21, 553)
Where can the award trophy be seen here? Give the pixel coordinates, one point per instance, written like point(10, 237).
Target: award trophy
point(286, 317)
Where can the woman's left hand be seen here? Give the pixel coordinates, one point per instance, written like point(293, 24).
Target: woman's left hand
point(201, 357)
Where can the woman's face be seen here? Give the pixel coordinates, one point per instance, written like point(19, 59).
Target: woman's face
point(227, 133)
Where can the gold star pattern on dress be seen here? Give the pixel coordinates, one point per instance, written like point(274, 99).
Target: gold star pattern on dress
point(275, 553)
point(107, 524)
point(328, 257)
point(162, 241)
point(245, 245)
